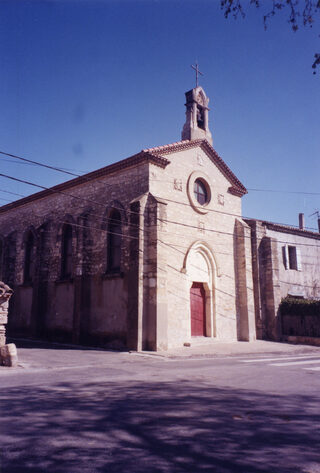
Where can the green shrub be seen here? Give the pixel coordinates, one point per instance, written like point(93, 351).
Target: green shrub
point(302, 307)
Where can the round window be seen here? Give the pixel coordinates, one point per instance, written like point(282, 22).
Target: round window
point(200, 192)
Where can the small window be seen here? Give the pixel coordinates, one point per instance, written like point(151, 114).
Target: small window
point(114, 241)
point(291, 257)
point(292, 251)
point(29, 258)
point(200, 192)
point(66, 252)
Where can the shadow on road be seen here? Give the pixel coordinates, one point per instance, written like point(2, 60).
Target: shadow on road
point(167, 427)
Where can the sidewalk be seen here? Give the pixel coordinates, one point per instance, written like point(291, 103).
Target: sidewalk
point(210, 349)
point(37, 355)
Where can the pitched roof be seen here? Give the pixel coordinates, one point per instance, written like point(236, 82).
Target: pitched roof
point(237, 187)
point(139, 158)
point(277, 227)
point(152, 155)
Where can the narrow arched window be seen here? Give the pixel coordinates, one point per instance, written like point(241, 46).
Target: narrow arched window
point(114, 241)
point(29, 258)
point(66, 252)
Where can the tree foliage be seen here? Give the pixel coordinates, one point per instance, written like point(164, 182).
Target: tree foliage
point(300, 13)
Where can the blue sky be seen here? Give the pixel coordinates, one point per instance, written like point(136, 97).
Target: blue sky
point(87, 83)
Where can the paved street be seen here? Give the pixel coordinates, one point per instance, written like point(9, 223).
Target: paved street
point(75, 410)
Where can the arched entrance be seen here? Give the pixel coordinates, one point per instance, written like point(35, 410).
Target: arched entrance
point(198, 309)
point(201, 269)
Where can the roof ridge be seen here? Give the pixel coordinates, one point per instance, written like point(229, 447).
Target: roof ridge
point(125, 163)
point(290, 228)
point(237, 187)
point(169, 145)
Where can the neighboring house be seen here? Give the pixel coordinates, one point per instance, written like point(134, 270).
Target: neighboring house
point(285, 261)
point(148, 252)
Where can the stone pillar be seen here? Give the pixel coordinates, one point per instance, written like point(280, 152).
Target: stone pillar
point(8, 352)
point(155, 321)
point(147, 322)
point(270, 287)
point(244, 283)
point(135, 274)
point(257, 233)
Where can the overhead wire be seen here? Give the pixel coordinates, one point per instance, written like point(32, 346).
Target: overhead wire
point(103, 204)
point(130, 211)
point(66, 171)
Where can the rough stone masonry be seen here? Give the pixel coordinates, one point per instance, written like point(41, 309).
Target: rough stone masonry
point(8, 352)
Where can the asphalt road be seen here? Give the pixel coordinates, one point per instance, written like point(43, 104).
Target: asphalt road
point(73, 411)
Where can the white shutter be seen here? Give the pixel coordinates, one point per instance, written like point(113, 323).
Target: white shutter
point(298, 255)
point(285, 255)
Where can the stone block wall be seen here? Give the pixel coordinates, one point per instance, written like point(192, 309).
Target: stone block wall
point(274, 279)
point(91, 305)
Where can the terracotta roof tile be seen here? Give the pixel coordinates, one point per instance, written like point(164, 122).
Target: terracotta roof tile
point(134, 160)
point(237, 187)
point(285, 228)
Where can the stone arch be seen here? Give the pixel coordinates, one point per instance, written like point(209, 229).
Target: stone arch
point(114, 205)
point(88, 233)
point(200, 265)
point(201, 97)
point(114, 264)
point(206, 252)
point(27, 232)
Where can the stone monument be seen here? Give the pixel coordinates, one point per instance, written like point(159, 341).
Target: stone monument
point(8, 352)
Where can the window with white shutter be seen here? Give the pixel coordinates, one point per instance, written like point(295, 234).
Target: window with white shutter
point(291, 257)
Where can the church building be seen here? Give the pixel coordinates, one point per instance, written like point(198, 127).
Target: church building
point(145, 253)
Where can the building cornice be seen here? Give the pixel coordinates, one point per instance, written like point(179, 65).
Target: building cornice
point(285, 228)
point(237, 187)
point(135, 160)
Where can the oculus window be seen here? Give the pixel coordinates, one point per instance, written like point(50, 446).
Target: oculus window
point(200, 192)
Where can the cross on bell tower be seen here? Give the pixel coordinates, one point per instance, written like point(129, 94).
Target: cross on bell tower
point(197, 119)
point(196, 68)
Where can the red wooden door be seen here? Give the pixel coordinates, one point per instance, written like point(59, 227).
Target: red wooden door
point(197, 302)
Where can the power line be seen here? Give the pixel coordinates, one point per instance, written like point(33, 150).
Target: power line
point(98, 203)
point(65, 171)
point(68, 172)
point(53, 191)
point(37, 163)
point(12, 193)
point(104, 205)
point(283, 191)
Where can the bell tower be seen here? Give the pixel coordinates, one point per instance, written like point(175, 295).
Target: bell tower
point(197, 123)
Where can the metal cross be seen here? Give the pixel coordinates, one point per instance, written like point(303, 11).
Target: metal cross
point(196, 68)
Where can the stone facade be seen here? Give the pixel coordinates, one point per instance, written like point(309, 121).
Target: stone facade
point(286, 261)
point(168, 242)
point(145, 253)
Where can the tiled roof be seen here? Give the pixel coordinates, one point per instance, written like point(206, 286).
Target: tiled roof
point(134, 160)
point(170, 147)
point(153, 155)
point(286, 228)
point(237, 187)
